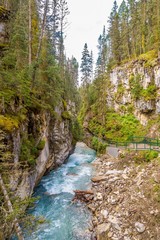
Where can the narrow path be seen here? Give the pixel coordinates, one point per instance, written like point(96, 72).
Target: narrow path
point(113, 151)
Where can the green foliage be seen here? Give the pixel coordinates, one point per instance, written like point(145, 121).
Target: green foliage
point(41, 145)
point(135, 85)
point(150, 55)
point(41, 84)
point(117, 127)
point(82, 113)
point(151, 155)
point(92, 94)
point(120, 91)
point(130, 36)
point(99, 146)
point(149, 93)
point(137, 90)
point(86, 66)
point(28, 221)
point(145, 156)
point(76, 130)
point(29, 151)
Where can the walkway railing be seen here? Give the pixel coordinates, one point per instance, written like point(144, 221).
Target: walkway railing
point(137, 143)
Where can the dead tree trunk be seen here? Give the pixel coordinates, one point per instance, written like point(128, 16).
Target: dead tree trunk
point(10, 208)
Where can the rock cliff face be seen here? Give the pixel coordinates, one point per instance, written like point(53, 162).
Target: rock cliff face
point(135, 87)
point(57, 139)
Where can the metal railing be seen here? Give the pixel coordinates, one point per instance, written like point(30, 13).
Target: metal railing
point(137, 143)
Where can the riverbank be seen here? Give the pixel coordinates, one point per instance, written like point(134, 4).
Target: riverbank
point(126, 202)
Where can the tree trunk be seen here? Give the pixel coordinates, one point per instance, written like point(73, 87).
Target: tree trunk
point(40, 41)
point(10, 208)
point(42, 30)
point(30, 32)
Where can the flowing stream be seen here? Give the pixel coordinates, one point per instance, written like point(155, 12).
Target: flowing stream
point(65, 220)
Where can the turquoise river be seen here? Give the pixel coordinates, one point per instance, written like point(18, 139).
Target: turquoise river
point(65, 220)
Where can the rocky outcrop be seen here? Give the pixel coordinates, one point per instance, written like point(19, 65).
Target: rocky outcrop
point(135, 86)
point(57, 137)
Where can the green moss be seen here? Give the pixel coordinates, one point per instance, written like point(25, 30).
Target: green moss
point(4, 45)
point(8, 123)
point(149, 93)
point(66, 115)
point(150, 58)
point(41, 145)
point(148, 55)
point(64, 104)
point(41, 220)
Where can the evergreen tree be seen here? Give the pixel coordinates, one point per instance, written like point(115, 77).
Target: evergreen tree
point(124, 30)
point(103, 53)
point(86, 66)
point(63, 13)
point(114, 34)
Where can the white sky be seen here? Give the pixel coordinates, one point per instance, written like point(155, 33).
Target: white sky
point(86, 21)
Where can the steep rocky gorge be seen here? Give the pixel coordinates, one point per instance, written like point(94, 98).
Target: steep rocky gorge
point(135, 87)
point(58, 145)
point(54, 134)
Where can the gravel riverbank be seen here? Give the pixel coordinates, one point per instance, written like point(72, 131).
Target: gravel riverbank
point(126, 199)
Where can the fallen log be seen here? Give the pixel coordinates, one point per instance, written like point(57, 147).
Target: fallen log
point(83, 191)
point(83, 195)
point(99, 178)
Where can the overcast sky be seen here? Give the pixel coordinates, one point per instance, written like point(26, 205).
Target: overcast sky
point(86, 21)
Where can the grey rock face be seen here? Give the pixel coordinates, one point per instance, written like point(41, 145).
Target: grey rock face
point(58, 145)
point(120, 95)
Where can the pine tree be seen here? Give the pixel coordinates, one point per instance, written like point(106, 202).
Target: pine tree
point(86, 66)
point(103, 53)
point(63, 13)
point(114, 34)
point(124, 30)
